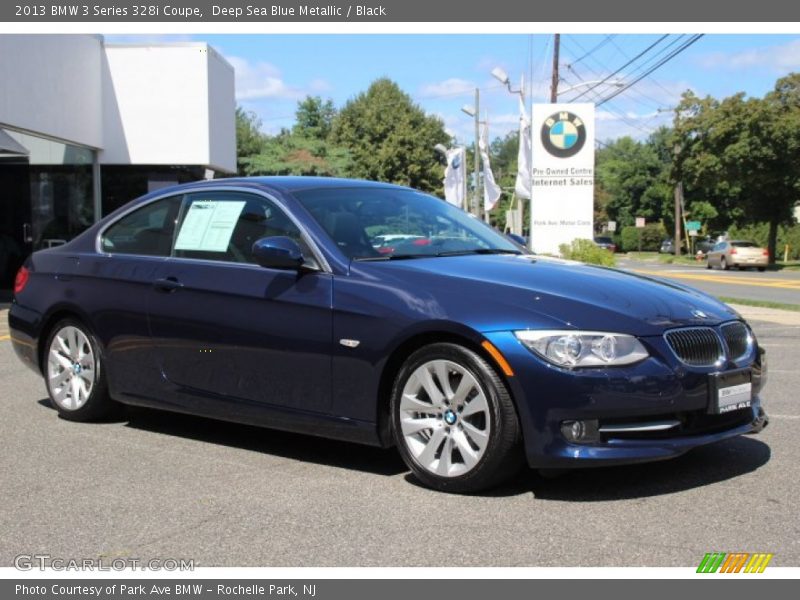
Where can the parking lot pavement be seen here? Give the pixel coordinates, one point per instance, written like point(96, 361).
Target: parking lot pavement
point(168, 486)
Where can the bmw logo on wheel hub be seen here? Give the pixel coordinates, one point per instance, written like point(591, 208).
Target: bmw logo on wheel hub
point(450, 417)
point(563, 134)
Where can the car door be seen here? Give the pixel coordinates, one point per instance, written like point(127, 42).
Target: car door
point(225, 328)
point(113, 285)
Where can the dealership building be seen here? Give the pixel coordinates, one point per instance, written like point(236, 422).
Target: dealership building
point(86, 126)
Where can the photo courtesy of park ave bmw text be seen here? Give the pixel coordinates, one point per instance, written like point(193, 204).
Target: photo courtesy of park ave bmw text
point(330, 300)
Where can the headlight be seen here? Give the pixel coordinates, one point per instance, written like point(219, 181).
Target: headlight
point(583, 348)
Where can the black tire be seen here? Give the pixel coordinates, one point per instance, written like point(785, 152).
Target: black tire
point(762, 269)
point(723, 264)
point(502, 457)
point(98, 405)
point(708, 265)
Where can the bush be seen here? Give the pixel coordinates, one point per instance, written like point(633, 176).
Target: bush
point(587, 251)
point(652, 236)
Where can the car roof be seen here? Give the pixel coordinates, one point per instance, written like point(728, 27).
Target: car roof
point(286, 183)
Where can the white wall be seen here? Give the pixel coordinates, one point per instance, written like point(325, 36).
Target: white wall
point(168, 104)
point(50, 84)
point(222, 113)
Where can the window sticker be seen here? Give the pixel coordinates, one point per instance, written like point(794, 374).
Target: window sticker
point(209, 225)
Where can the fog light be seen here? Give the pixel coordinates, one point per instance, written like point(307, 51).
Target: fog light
point(581, 431)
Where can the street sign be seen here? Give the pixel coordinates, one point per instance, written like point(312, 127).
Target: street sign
point(640, 222)
point(692, 225)
point(612, 226)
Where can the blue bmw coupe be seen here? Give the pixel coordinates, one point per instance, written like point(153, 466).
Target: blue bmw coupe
point(378, 314)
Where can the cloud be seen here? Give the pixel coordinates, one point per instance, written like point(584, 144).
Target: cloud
point(777, 58)
point(449, 87)
point(257, 80)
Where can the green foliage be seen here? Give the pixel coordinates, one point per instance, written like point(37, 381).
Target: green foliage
point(314, 118)
point(743, 153)
point(390, 138)
point(587, 251)
point(249, 139)
point(652, 235)
point(290, 154)
point(702, 211)
point(633, 180)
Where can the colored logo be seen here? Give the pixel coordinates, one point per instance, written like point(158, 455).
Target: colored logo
point(563, 134)
point(699, 314)
point(736, 562)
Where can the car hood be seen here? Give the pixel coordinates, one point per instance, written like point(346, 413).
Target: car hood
point(503, 292)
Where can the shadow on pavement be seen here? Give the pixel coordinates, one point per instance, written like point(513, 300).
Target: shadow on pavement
point(699, 467)
point(294, 446)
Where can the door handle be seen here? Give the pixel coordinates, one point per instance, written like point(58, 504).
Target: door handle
point(168, 284)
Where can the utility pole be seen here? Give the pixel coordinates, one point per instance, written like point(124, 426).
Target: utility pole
point(554, 84)
point(477, 198)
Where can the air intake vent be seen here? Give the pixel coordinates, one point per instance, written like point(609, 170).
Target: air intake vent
point(695, 346)
point(738, 339)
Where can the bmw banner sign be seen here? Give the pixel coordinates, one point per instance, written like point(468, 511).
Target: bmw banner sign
point(563, 175)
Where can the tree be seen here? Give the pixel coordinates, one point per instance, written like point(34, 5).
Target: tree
point(743, 152)
point(314, 118)
point(249, 139)
point(632, 180)
point(290, 154)
point(390, 138)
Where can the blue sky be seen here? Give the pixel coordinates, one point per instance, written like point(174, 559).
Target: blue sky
point(440, 72)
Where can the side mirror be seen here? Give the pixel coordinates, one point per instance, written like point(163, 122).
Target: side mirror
point(278, 252)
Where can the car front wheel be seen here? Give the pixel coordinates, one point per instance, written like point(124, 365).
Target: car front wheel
point(74, 375)
point(454, 421)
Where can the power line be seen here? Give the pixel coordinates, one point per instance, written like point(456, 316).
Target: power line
point(661, 63)
point(634, 59)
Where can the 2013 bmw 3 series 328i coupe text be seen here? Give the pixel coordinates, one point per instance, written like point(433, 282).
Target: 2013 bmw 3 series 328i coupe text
point(377, 314)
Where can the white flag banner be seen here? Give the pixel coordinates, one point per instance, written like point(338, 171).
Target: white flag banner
point(491, 191)
point(522, 187)
point(455, 179)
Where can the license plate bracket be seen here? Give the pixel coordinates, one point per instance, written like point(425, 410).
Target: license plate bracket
point(730, 390)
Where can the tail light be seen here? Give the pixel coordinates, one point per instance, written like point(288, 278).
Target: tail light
point(766, 253)
point(21, 280)
point(733, 250)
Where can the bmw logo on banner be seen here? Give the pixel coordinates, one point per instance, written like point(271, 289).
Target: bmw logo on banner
point(562, 175)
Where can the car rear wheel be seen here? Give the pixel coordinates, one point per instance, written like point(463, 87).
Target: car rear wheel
point(723, 264)
point(762, 269)
point(454, 422)
point(74, 375)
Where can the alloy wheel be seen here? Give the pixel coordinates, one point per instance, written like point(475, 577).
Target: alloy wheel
point(445, 418)
point(71, 368)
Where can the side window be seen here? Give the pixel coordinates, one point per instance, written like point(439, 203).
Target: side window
point(224, 226)
point(147, 231)
point(720, 246)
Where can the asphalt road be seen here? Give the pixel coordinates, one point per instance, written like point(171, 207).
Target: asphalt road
point(775, 286)
point(166, 486)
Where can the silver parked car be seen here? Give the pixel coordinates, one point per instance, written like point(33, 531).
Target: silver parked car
point(738, 253)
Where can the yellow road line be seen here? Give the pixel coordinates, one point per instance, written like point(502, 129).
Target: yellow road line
point(788, 284)
point(3, 338)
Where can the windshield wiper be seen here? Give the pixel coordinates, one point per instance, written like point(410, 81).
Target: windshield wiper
point(478, 251)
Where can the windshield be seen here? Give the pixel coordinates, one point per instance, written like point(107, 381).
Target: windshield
point(384, 224)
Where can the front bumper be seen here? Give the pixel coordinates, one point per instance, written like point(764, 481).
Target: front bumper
point(657, 390)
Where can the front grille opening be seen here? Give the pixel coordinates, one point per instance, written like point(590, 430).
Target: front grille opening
point(695, 346)
point(737, 338)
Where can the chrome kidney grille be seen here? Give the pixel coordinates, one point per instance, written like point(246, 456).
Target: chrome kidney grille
point(704, 347)
point(738, 339)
